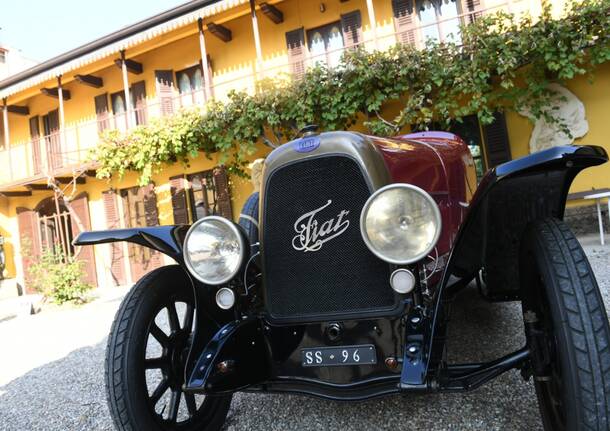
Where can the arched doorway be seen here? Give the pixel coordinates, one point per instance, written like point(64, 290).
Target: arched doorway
point(49, 225)
point(55, 225)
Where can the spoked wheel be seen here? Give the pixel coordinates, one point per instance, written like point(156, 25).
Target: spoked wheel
point(146, 357)
point(566, 328)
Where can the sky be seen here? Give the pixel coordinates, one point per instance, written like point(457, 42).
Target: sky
point(42, 29)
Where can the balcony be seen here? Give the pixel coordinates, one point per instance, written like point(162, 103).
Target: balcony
point(63, 153)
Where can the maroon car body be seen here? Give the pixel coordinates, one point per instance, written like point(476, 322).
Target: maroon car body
point(314, 313)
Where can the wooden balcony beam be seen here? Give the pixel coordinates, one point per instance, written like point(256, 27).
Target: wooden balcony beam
point(16, 194)
point(34, 187)
point(68, 180)
point(54, 92)
point(131, 65)
point(90, 80)
point(220, 31)
point(19, 110)
point(272, 12)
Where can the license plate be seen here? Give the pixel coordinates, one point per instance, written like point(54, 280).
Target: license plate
point(337, 356)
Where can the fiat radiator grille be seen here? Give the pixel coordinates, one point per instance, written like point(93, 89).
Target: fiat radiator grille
point(316, 265)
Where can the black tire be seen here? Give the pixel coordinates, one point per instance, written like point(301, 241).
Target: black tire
point(566, 328)
point(131, 404)
point(248, 218)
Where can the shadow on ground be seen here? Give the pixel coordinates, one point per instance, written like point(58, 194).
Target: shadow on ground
point(68, 394)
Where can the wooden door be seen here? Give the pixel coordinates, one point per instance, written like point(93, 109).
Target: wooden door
point(138, 97)
point(29, 239)
point(179, 204)
point(35, 139)
point(113, 221)
point(52, 138)
point(80, 205)
point(140, 210)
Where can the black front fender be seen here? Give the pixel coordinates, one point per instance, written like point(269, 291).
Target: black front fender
point(166, 239)
point(510, 196)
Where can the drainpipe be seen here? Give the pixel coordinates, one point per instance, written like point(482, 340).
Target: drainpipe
point(207, 79)
point(257, 38)
point(372, 20)
point(7, 144)
point(126, 90)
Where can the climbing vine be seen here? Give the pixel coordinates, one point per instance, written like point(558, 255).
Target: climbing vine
point(501, 63)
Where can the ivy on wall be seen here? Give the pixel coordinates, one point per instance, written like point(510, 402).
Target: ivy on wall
point(501, 63)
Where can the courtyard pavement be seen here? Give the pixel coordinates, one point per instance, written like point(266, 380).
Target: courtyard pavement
point(51, 375)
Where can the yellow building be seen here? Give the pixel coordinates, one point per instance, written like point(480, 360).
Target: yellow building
point(53, 112)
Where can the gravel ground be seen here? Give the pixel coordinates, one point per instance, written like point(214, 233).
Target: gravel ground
point(51, 376)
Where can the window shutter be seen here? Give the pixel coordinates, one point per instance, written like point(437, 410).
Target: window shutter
point(138, 95)
point(35, 138)
point(54, 153)
point(165, 90)
point(117, 258)
point(152, 219)
point(150, 205)
point(474, 9)
point(295, 40)
point(29, 237)
point(351, 24)
point(496, 141)
point(223, 195)
point(404, 21)
point(101, 112)
point(80, 205)
point(179, 199)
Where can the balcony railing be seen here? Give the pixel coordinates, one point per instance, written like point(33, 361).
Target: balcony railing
point(60, 153)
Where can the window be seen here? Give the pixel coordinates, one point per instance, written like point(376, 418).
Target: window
point(118, 103)
point(488, 144)
point(326, 44)
point(2, 56)
point(55, 228)
point(470, 131)
point(190, 85)
point(137, 93)
point(202, 194)
point(119, 109)
point(190, 79)
point(440, 21)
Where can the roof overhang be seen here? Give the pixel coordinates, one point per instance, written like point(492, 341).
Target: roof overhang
point(113, 43)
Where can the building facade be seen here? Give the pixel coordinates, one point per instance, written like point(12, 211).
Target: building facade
point(12, 61)
point(52, 114)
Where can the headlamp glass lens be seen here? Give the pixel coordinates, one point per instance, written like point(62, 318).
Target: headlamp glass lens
point(401, 224)
point(213, 250)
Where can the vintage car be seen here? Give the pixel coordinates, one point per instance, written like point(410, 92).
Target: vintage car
point(337, 280)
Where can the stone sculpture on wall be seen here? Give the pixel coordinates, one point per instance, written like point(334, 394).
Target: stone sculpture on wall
point(570, 110)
